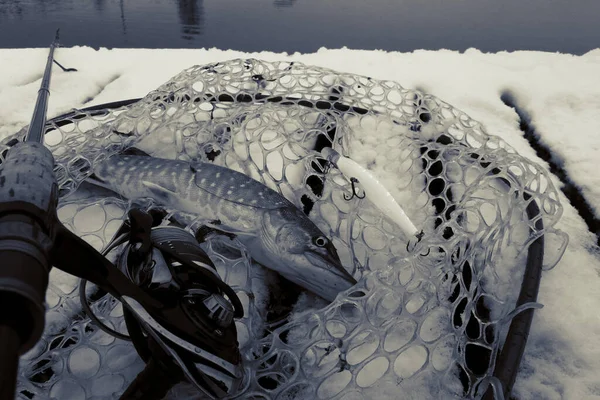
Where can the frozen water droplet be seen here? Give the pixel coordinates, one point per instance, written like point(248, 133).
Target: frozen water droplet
point(67, 212)
point(415, 302)
point(399, 335)
point(442, 354)
point(67, 390)
point(406, 274)
point(100, 337)
point(55, 322)
point(297, 391)
point(334, 384)
point(84, 362)
point(382, 307)
point(320, 358)
point(36, 351)
point(120, 357)
point(275, 165)
point(52, 299)
point(107, 385)
point(410, 361)
point(237, 275)
point(95, 241)
point(435, 324)
point(90, 219)
point(117, 311)
point(64, 282)
point(374, 238)
point(372, 372)
point(350, 312)
point(336, 328)
point(362, 347)
point(242, 333)
point(111, 228)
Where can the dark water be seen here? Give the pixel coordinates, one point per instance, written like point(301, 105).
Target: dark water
point(305, 25)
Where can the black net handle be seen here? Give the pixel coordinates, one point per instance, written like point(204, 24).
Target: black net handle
point(511, 354)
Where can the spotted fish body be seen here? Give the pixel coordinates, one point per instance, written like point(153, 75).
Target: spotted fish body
point(276, 232)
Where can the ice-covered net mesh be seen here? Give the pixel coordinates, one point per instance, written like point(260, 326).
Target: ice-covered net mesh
point(424, 324)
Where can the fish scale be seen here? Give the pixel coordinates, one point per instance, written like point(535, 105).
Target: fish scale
point(237, 187)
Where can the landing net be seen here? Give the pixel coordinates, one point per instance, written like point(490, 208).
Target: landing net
point(422, 324)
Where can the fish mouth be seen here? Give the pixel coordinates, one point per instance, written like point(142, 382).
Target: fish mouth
point(333, 266)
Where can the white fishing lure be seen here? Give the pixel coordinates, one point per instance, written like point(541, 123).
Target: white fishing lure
point(376, 192)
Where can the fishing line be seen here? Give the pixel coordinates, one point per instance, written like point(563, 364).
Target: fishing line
point(83, 298)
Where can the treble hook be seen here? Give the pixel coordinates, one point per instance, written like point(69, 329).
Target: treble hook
point(419, 236)
point(354, 181)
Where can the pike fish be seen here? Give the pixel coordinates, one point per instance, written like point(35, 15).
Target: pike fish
point(277, 234)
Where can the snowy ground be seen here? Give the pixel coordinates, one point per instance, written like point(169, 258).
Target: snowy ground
point(560, 94)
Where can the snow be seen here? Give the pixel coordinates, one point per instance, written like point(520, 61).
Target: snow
point(560, 92)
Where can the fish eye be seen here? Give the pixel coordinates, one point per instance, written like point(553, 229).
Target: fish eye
point(320, 241)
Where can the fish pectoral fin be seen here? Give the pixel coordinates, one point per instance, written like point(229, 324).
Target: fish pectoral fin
point(206, 232)
point(94, 180)
point(224, 229)
point(161, 193)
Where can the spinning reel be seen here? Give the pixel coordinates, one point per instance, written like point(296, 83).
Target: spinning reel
point(167, 263)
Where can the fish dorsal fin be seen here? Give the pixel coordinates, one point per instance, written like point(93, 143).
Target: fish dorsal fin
point(236, 187)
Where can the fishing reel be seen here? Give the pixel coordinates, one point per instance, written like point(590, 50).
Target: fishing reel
point(167, 263)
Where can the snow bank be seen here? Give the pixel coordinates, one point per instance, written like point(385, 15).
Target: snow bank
point(559, 93)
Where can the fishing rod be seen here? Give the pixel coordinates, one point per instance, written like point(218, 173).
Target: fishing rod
point(183, 331)
point(28, 200)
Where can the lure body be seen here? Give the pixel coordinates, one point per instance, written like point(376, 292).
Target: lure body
point(374, 190)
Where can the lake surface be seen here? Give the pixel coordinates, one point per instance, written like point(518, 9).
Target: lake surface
point(569, 26)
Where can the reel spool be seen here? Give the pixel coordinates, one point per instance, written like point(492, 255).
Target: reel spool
point(167, 263)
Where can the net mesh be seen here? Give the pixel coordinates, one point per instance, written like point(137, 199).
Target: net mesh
point(422, 324)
